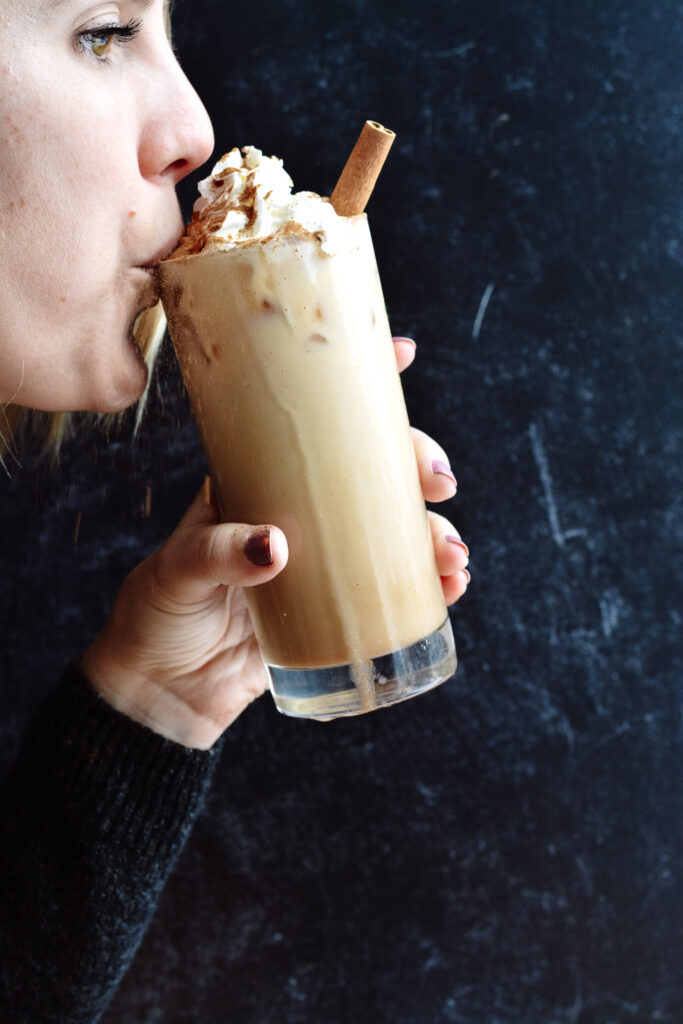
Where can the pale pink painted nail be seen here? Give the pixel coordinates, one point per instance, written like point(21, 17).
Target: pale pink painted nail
point(452, 539)
point(466, 575)
point(441, 468)
point(399, 337)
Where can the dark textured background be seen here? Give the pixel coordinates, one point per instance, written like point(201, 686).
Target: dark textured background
point(507, 849)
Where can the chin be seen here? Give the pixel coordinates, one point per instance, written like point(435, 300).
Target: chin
point(122, 387)
point(119, 399)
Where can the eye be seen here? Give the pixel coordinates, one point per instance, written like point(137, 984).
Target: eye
point(99, 41)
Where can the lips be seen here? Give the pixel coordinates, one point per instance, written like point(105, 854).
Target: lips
point(150, 293)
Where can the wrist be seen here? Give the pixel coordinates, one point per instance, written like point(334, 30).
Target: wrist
point(148, 701)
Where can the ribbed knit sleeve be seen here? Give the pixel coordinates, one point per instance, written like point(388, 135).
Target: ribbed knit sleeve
point(92, 818)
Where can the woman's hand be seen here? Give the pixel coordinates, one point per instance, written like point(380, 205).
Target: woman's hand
point(438, 484)
point(178, 652)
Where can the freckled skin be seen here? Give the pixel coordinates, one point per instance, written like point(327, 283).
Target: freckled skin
point(90, 155)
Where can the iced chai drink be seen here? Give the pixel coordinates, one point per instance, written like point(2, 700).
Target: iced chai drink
point(277, 316)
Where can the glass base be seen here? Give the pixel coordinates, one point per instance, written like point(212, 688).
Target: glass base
point(354, 689)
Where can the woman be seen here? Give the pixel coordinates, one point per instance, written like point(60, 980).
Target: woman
point(97, 126)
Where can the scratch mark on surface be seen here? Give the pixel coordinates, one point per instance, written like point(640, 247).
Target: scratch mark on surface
point(479, 318)
point(584, 874)
point(558, 535)
point(610, 612)
point(623, 1004)
point(455, 51)
point(620, 730)
point(568, 534)
point(546, 481)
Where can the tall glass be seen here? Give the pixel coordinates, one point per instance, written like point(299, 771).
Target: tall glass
point(287, 356)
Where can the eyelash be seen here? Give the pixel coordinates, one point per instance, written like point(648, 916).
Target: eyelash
point(120, 34)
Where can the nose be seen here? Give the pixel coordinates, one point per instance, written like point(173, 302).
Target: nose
point(176, 135)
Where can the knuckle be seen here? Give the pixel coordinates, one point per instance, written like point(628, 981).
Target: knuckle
point(208, 552)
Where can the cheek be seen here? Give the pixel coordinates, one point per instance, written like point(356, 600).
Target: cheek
point(67, 155)
point(67, 182)
point(63, 220)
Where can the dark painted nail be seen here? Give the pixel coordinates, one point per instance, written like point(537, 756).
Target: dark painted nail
point(442, 468)
point(257, 548)
point(452, 539)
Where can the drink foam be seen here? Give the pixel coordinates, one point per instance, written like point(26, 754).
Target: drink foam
point(248, 197)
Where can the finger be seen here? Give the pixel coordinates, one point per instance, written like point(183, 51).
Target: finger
point(452, 554)
point(196, 561)
point(455, 586)
point(436, 475)
point(452, 557)
point(404, 350)
point(203, 553)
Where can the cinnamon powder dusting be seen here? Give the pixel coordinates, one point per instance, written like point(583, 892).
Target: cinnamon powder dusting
point(209, 219)
point(204, 230)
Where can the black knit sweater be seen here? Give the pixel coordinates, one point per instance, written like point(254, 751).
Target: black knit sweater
point(92, 818)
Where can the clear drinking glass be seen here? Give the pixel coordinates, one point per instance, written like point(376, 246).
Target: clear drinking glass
point(287, 356)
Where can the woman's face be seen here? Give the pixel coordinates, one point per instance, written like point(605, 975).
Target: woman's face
point(97, 125)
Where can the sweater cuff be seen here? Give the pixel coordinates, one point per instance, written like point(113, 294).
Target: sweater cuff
point(128, 785)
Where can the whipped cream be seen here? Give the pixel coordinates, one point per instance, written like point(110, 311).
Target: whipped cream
point(249, 196)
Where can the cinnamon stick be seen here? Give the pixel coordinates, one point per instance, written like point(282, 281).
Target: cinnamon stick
point(358, 178)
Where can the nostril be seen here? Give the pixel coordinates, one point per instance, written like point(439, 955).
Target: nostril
point(179, 168)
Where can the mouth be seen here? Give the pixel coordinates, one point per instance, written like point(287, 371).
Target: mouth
point(149, 297)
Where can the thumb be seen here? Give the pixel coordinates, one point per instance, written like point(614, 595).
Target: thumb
point(203, 554)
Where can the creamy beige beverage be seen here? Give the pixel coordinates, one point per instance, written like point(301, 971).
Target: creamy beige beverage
point(285, 348)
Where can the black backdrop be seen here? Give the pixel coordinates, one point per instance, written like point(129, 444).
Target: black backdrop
point(507, 849)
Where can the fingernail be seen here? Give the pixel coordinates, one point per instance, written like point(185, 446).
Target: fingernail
point(257, 548)
point(400, 337)
point(466, 575)
point(452, 539)
point(441, 468)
